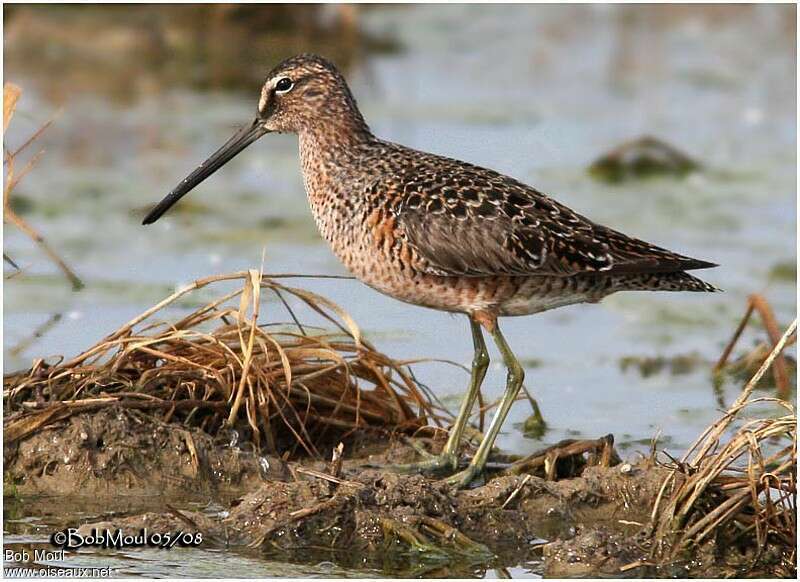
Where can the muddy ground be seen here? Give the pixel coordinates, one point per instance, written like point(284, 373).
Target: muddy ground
point(591, 522)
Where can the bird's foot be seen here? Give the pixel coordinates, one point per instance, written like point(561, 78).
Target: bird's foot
point(432, 464)
point(420, 448)
point(463, 478)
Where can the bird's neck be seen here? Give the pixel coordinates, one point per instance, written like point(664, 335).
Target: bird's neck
point(331, 149)
point(332, 162)
point(337, 138)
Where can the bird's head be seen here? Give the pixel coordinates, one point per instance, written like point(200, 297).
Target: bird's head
point(302, 93)
point(305, 93)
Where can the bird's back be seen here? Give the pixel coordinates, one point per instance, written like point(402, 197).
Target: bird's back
point(465, 220)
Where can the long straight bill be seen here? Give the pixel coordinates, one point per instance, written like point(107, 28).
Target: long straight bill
point(240, 140)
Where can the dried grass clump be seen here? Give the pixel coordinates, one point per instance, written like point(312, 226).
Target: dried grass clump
point(283, 386)
point(740, 494)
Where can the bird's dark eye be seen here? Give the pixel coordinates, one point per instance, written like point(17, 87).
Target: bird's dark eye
point(283, 85)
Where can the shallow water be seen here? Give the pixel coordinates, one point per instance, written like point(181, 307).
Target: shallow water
point(24, 532)
point(534, 92)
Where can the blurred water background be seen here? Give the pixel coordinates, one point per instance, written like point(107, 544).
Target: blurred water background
point(536, 92)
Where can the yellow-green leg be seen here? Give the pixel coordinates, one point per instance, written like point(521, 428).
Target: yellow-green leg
point(513, 384)
point(448, 458)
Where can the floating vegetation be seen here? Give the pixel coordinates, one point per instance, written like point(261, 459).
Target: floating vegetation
point(288, 387)
point(785, 271)
point(675, 365)
point(640, 158)
point(745, 366)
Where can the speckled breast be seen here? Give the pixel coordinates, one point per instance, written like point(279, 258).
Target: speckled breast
point(363, 236)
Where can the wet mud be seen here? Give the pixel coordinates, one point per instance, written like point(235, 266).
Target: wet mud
point(569, 514)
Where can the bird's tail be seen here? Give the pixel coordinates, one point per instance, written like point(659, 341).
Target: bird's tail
point(674, 281)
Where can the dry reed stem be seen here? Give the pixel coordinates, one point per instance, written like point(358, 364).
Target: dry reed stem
point(334, 503)
point(600, 452)
point(758, 303)
point(11, 262)
point(221, 367)
point(11, 94)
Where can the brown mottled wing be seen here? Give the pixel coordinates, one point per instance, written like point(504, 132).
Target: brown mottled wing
point(462, 220)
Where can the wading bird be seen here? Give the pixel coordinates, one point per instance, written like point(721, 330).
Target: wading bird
point(441, 233)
